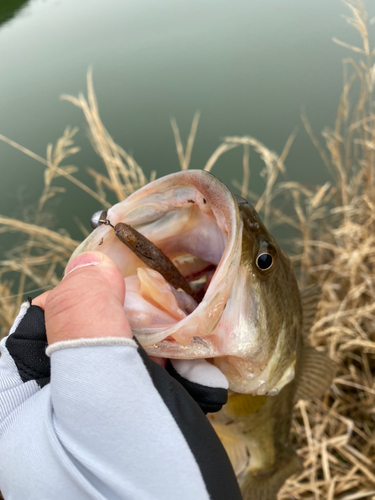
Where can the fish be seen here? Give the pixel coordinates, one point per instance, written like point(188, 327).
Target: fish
point(242, 310)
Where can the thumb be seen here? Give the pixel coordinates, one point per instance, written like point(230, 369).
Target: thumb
point(88, 302)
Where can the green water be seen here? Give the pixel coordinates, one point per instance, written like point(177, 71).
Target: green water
point(248, 66)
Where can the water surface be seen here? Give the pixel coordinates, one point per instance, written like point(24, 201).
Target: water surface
point(247, 66)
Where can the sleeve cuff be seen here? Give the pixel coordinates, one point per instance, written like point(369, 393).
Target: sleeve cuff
point(89, 342)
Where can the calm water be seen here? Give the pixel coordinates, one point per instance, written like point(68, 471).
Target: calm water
point(248, 66)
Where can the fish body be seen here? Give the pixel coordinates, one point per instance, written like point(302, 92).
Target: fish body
point(260, 424)
point(251, 321)
point(255, 430)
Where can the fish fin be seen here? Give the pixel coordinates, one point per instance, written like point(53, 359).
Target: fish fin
point(265, 486)
point(317, 372)
point(310, 298)
point(241, 405)
point(235, 447)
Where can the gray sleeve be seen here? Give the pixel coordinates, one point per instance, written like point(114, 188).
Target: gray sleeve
point(98, 430)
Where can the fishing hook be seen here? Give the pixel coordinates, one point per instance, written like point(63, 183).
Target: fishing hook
point(106, 222)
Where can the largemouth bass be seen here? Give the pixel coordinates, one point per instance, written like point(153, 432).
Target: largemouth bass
point(242, 310)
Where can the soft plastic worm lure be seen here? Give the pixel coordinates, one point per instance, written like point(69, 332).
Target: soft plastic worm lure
point(151, 255)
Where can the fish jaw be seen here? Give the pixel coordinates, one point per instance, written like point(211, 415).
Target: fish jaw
point(260, 353)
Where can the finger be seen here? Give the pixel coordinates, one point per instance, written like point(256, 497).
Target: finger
point(88, 302)
point(40, 300)
point(160, 361)
point(205, 383)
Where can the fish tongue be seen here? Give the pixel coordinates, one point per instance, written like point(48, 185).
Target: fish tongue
point(158, 292)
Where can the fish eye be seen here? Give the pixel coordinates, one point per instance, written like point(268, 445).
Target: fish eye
point(101, 215)
point(264, 261)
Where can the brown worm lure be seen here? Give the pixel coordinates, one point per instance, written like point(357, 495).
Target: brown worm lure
point(152, 256)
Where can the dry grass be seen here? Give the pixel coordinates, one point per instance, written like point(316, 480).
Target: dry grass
point(38, 263)
point(335, 223)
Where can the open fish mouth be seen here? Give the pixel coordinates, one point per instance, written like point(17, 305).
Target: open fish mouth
point(194, 219)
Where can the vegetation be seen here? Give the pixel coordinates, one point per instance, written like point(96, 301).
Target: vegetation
point(334, 246)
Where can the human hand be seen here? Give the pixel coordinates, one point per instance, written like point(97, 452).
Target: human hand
point(88, 303)
point(97, 377)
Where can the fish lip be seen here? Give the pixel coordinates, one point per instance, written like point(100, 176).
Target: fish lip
point(198, 347)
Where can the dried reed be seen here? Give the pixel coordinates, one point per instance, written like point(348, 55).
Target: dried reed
point(335, 437)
